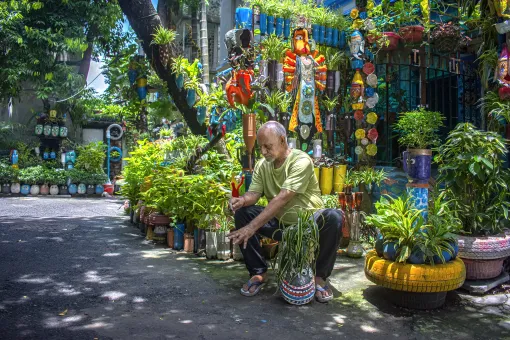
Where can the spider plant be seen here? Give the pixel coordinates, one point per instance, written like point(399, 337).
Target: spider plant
point(330, 104)
point(273, 101)
point(298, 249)
point(495, 108)
point(163, 36)
point(333, 58)
point(370, 177)
point(488, 61)
point(273, 48)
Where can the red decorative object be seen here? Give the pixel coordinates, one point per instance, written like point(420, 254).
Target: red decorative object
point(358, 115)
point(411, 34)
point(373, 134)
point(368, 68)
point(504, 93)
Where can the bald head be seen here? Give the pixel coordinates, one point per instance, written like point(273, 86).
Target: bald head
point(272, 139)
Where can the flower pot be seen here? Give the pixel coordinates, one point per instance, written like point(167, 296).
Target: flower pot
point(269, 250)
point(91, 189)
point(411, 34)
point(279, 27)
point(272, 74)
point(379, 245)
point(329, 36)
point(390, 251)
point(47, 130)
point(63, 190)
point(63, 131)
point(44, 189)
point(82, 189)
point(15, 188)
point(330, 82)
point(179, 236)
point(223, 245)
point(339, 172)
point(292, 143)
point(55, 130)
point(334, 40)
point(322, 32)
point(188, 243)
point(263, 23)
point(263, 68)
point(211, 246)
point(202, 243)
point(39, 128)
point(301, 289)
point(99, 189)
point(46, 155)
point(342, 38)
point(317, 148)
point(326, 180)
point(393, 39)
point(179, 81)
point(484, 255)
point(286, 28)
point(249, 133)
point(201, 114)
point(417, 257)
point(317, 172)
point(170, 237)
point(6, 188)
point(315, 32)
point(160, 233)
point(270, 24)
point(25, 189)
point(417, 164)
point(53, 155)
point(237, 254)
point(73, 189)
point(337, 81)
point(191, 97)
point(279, 76)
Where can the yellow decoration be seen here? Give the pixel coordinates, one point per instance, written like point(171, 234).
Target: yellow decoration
point(419, 278)
point(371, 150)
point(326, 180)
point(370, 5)
point(357, 24)
point(354, 13)
point(425, 10)
point(339, 177)
point(53, 114)
point(357, 79)
point(358, 106)
point(360, 134)
point(317, 171)
point(372, 118)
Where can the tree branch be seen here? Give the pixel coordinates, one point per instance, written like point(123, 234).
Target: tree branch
point(144, 20)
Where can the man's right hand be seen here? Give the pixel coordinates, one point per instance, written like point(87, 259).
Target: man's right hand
point(237, 203)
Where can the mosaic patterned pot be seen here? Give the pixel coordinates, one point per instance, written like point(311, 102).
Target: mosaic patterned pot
point(417, 163)
point(301, 290)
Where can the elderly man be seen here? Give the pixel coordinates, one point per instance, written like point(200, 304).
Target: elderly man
point(286, 177)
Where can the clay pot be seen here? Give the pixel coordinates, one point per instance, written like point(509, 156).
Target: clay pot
point(188, 242)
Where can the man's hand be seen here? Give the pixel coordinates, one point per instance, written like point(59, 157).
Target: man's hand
point(236, 203)
point(242, 236)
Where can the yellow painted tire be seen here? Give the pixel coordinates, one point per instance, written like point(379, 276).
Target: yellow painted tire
point(418, 278)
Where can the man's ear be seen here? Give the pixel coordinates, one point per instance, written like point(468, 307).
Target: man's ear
point(282, 139)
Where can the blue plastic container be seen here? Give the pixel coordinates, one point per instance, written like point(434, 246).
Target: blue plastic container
point(390, 251)
point(263, 23)
point(322, 32)
point(329, 36)
point(270, 24)
point(191, 97)
point(179, 81)
point(142, 92)
point(315, 32)
point(243, 17)
point(341, 40)
point(279, 26)
point(73, 189)
point(286, 28)
point(179, 236)
point(201, 113)
point(100, 189)
point(336, 34)
point(25, 189)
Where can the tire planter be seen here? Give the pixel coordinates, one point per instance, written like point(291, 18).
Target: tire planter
point(411, 34)
point(484, 255)
point(417, 286)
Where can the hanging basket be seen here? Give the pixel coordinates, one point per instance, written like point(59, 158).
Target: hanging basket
point(446, 38)
point(411, 34)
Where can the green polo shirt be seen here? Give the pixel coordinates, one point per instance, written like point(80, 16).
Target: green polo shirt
point(296, 174)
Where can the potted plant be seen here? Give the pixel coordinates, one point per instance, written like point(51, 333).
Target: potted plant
point(472, 173)
point(44, 189)
point(367, 179)
point(294, 263)
point(179, 70)
point(261, 5)
point(162, 38)
point(98, 179)
point(412, 256)
point(317, 145)
point(91, 157)
point(330, 105)
point(418, 130)
point(6, 177)
point(446, 37)
point(273, 49)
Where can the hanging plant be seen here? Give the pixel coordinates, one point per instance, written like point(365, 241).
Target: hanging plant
point(447, 37)
point(163, 37)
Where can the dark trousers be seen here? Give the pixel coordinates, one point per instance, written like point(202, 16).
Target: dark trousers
point(329, 221)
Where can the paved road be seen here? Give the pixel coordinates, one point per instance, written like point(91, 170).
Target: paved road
point(75, 269)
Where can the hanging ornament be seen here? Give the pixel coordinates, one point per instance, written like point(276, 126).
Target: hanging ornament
point(354, 13)
point(372, 150)
point(372, 118)
point(364, 141)
point(358, 150)
point(372, 80)
point(368, 68)
point(373, 134)
point(369, 91)
point(360, 134)
point(358, 115)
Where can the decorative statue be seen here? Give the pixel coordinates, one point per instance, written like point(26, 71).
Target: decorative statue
point(305, 77)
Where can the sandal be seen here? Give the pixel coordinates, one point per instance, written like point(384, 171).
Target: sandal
point(323, 289)
point(250, 284)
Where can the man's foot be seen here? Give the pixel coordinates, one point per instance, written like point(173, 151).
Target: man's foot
point(323, 292)
point(253, 286)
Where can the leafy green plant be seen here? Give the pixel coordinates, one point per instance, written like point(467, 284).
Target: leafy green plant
point(472, 172)
point(334, 58)
point(418, 129)
point(32, 175)
point(369, 177)
point(91, 157)
point(298, 249)
point(273, 48)
point(330, 104)
point(163, 36)
point(330, 201)
point(495, 108)
point(7, 173)
point(77, 176)
point(273, 101)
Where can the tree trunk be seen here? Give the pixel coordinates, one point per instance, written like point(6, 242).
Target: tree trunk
point(85, 62)
point(203, 43)
point(144, 20)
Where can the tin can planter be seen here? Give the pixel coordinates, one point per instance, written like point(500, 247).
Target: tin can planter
point(15, 188)
point(44, 189)
point(211, 244)
point(326, 180)
point(25, 189)
point(73, 189)
point(223, 246)
point(179, 236)
point(99, 189)
point(63, 190)
point(82, 189)
point(417, 164)
point(339, 172)
point(39, 128)
point(188, 242)
point(263, 23)
point(6, 188)
point(91, 189)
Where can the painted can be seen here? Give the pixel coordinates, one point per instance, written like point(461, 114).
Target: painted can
point(263, 23)
point(34, 190)
point(44, 189)
point(417, 164)
point(15, 188)
point(99, 189)
point(82, 189)
point(53, 190)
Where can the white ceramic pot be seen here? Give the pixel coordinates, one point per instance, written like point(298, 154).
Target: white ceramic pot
point(15, 188)
point(54, 190)
point(34, 190)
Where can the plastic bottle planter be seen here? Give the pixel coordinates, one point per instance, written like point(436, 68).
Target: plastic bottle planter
point(223, 246)
point(317, 172)
point(54, 190)
point(286, 28)
point(326, 180)
point(330, 82)
point(329, 36)
point(279, 27)
point(25, 189)
point(170, 237)
point(15, 188)
point(64, 190)
point(237, 254)
point(211, 244)
point(55, 130)
point(132, 74)
point(292, 143)
point(317, 148)
point(334, 41)
point(82, 189)
point(179, 236)
point(63, 131)
point(99, 189)
point(339, 173)
point(270, 24)
point(191, 97)
point(47, 130)
point(141, 88)
point(201, 114)
point(263, 23)
point(46, 155)
point(39, 128)
point(195, 240)
point(179, 81)
point(341, 40)
point(315, 32)
point(6, 188)
point(44, 189)
point(416, 164)
point(53, 155)
point(189, 243)
point(243, 17)
point(322, 32)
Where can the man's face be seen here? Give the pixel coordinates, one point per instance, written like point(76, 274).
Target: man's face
point(271, 146)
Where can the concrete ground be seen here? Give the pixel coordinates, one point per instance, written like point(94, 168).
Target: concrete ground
point(75, 269)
